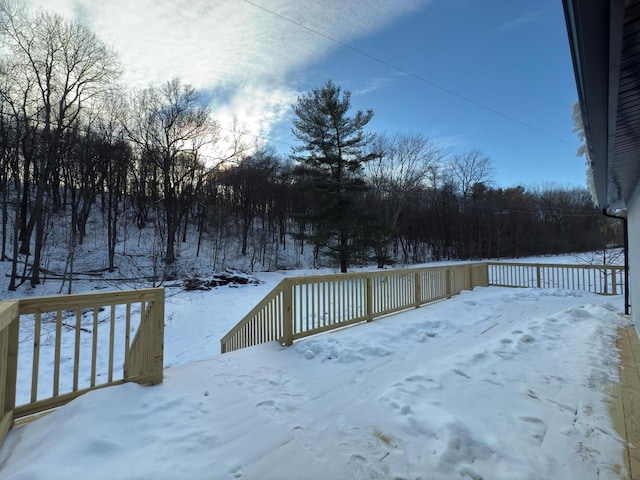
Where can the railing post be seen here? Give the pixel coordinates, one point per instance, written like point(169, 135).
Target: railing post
point(449, 280)
point(538, 282)
point(11, 375)
point(614, 281)
point(287, 319)
point(158, 336)
point(12, 357)
point(418, 289)
point(368, 292)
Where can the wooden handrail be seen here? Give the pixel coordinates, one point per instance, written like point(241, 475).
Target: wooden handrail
point(301, 306)
point(143, 358)
point(601, 279)
point(560, 265)
point(232, 338)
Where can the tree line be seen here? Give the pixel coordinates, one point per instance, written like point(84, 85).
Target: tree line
point(76, 145)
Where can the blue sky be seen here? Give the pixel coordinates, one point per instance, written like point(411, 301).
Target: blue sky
point(511, 56)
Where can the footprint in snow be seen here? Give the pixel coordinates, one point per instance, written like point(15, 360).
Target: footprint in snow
point(237, 472)
point(274, 410)
point(457, 371)
point(504, 354)
point(537, 427)
point(310, 443)
point(532, 394)
point(360, 375)
point(527, 339)
point(418, 378)
point(358, 467)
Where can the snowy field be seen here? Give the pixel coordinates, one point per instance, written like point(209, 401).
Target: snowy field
point(493, 384)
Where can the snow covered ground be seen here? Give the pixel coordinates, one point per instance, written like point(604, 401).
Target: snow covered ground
point(493, 384)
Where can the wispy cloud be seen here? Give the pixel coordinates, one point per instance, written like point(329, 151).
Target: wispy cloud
point(233, 45)
point(373, 85)
point(524, 20)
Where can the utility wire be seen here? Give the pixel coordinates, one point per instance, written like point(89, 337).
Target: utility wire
point(410, 74)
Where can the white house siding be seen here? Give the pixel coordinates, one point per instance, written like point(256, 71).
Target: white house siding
point(633, 216)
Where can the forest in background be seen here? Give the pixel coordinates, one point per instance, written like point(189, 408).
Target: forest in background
point(79, 151)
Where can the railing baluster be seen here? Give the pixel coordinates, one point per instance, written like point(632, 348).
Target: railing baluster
point(353, 313)
point(321, 301)
point(272, 316)
point(94, 347)
point(76, 350)
point(112, 340)
point(306, 305)
point(56, 356)
point(127, 335)
point(36, 356)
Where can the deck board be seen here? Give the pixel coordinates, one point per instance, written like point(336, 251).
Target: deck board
point(617, 418)
point(625, 400)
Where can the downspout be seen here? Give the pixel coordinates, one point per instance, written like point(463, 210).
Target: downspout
point(626, 257)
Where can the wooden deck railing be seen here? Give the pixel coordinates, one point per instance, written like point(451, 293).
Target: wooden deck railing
point(602, 279)
point(100, 344)
point(302, 306)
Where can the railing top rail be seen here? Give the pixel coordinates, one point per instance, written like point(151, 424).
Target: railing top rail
point(52, 303)
point(372, 273)
point(558, 265)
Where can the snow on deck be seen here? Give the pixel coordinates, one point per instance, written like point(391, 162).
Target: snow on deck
point(496, 383)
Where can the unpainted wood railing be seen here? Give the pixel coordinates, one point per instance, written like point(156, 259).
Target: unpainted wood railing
point(302, 306)
point(101, 344)
point(602, 279)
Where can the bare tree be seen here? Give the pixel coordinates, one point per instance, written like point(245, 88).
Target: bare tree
point(251, 181)
point(58, 67)
point(170, 128)
point(115, 158)
point(402, 163)
point(468, 169)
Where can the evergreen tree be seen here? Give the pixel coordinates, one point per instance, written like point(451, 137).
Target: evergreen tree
point(331, 155)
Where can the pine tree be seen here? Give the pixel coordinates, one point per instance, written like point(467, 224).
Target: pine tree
point(331, 155)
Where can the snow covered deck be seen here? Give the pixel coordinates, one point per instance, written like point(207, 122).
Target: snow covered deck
point(625, 408)
point(494, 383)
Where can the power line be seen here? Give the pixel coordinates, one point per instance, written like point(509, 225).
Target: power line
point(410, 74)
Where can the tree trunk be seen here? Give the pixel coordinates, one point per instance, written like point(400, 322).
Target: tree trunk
point(344, 252)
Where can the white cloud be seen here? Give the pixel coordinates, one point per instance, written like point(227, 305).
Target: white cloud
point(252, 110)
point(211, 44)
